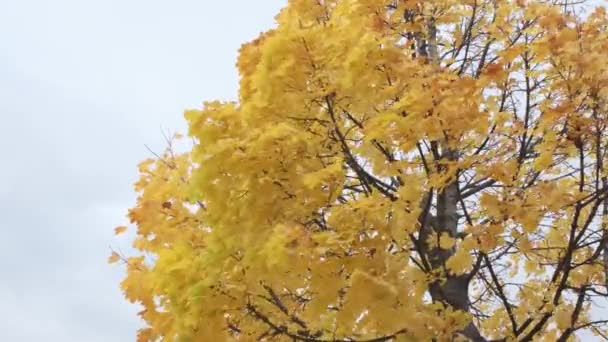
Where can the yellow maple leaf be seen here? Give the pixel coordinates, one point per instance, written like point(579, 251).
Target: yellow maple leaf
point(113, 258)
point(562, 317)
point(460, 262)
point(446, 241)
point(120, 229)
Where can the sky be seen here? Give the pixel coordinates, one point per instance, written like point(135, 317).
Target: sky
point(84, 85)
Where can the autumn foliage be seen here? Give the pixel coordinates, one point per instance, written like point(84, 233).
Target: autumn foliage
point(392, 171)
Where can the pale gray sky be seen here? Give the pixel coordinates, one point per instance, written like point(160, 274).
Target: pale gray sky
point(84, 84)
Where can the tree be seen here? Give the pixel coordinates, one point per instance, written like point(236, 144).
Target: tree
point(392, 170)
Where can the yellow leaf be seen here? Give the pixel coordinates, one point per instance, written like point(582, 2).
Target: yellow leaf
point(562, 317)
point(531, 267)
point(446, 241)
point(460, 262)
point(120, 229)
point(114, 257)
point(544, 160)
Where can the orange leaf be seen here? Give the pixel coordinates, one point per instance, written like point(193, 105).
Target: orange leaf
point(120, 229)
point(114, 257)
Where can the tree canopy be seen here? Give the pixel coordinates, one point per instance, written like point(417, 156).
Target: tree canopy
point(391, 171)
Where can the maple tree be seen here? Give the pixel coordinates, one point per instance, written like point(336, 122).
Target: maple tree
point(392, 171)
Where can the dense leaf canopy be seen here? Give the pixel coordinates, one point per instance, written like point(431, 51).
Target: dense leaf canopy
point(392, 170)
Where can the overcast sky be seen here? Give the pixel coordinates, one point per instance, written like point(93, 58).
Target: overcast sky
point(84, 84)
